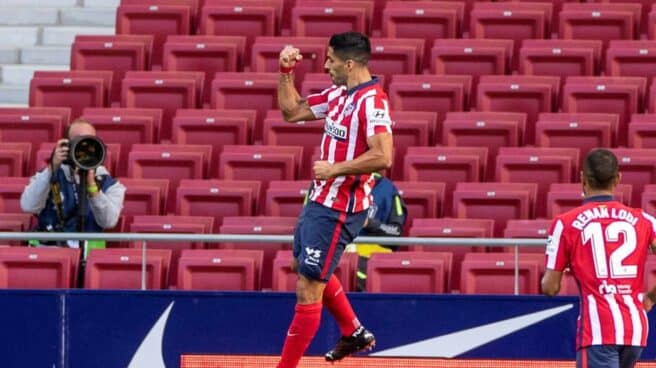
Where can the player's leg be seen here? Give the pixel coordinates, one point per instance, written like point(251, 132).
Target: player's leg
point(629, 356)
point(598, 356)
point(354, 336)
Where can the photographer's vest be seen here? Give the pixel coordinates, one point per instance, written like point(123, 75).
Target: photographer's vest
point(48, 219)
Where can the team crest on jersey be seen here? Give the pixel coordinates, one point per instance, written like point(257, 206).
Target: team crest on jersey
point(348, 110)
point(335, 130)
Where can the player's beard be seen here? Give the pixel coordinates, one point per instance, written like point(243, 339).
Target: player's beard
point(339, 79)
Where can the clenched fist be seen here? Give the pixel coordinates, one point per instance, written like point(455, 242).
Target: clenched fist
point(323, 170)
point(289, 56)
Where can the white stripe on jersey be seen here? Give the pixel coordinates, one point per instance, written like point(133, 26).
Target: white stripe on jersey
point(355, 120)
point(636, 323)
point(618, 322)
point(552, 247)
point(594, 320)
point(651, 219)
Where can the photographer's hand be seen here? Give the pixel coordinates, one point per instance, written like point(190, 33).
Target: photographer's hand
point(92, 187)
point(59, 154)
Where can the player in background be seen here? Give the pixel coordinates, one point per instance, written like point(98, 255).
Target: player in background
point(604, 244)
point(357, 141)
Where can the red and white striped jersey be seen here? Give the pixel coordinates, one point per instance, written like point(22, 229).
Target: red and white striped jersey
point(605, 243)
point(351, 116)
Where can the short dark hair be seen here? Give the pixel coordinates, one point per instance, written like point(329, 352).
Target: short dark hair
point(351, 45)
point(600, 168)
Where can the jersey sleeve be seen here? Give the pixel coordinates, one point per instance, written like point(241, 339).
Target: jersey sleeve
point(652, 226)
point(377, 115)
point(557, 254)
point(318, 102)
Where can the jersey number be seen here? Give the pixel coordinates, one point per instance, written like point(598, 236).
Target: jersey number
point(595, 234)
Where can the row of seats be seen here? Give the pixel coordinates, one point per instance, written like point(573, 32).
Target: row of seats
point(234, 270)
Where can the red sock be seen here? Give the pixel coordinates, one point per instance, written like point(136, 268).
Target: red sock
point(301, 332)
point(334, 298)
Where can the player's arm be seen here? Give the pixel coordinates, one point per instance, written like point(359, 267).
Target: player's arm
point(557, 259)
point(551, 282)
point(293, 107)
point(377, 157)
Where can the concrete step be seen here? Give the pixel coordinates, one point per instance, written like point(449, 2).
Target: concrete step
point(9, 56)
point(41, 3)
point(97, 16)
point(12, 37)
point(28, 16)
point(46, 55)
point(21, 74)
point(101, 3)
point(58, 36)
point(14, 94)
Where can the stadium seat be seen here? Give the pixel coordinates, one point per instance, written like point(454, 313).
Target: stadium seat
point(409, 272)
point(121, 268)
point(490, 129)
point(286, 198)
point(493, 273)
point(631, 59)
point(638, 168)
point(581, 131)
point(541, 166)
point(38, 268)
point(257, 91)
point(207, 54)
point(422, 200)
point(409, 131)
point(563, 197)
point(117, 53)
point(519, 93)
point(498, 201)
point(11, 188)
point(15, 222)
point(599, 21)
point(612, 95)
point(646, 6)
point(284, 279)
point(649, 198)
point(75, 89)
point(217, 198)
point(249, 115)
point(527, 229)
point(452, 228)
point(264, 163)
point(126, 127)
point(642, 131)
point(434, 93)
point(173, 225)
point(561, 58)
point(390, 56)
point(218, 269)
point(236, 18)
point(15, 159)
point(146, 197)
point(423, 20)
point(471, 56)
point(159, 21)
point(265, 54)
point(320, 19)
point(168, 91)
point(260, 225)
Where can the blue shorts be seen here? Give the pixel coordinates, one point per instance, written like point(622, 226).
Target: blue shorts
point(608, 356)
point(320, 237)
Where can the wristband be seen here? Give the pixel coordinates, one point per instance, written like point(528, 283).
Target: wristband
point(286, 69)
point(92, 189)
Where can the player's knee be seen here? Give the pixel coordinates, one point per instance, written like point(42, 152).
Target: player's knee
point(308, 291)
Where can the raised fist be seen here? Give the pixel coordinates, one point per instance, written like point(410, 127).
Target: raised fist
point(289, 56)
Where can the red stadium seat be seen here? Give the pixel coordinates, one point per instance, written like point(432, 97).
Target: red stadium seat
point(612, 95)
point(599, 21)
point(527, 229)
point(284, 279)
point(159, 21)
point(11, 189)
point(218, 269)
point(642, 131)
point(434, 93)
point(563, 197)
point(631, 59)
point(410, 129)
point(118, 53)
point(38, 268)
point(422, 199)
point(390, 56)
point(646, 6)
point(493, 273)
point(541, 166)
point(408, 272)
point(264, 163)
point(452, 228)
point(571, 131)
point(257, 91)
point(217, 198)
point(638, 168)
point(265, 54)
point(120, 268)
point(249, 115)
point(498, 201)
point(260, 225)
point(173, 225)
point(15, 159)
point(561, 58)
point(75, 90)
point(470, 56)
point(320, 19)
point(15, 222)
point(145, 197)
point(207, 54)
point(528, 94)
point(168, 91)
point(649, 198)
point(286, 198)
point(194, 7)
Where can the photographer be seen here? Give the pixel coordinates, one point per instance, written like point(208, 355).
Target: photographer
point(53, 193)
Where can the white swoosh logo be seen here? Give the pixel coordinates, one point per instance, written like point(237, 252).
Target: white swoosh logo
point(149, 354)
point(459, 342)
